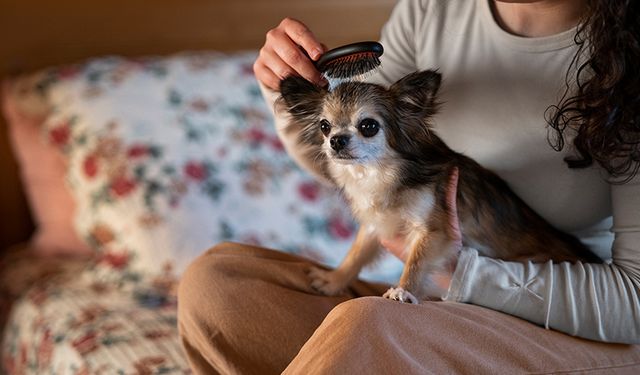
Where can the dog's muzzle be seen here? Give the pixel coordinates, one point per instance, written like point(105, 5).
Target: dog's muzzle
point(339, 142)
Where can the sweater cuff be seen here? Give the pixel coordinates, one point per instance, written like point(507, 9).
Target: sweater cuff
point(520, 289)
point(467, 260)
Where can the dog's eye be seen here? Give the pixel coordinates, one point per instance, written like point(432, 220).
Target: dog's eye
point(325, 127)
point(368, 127)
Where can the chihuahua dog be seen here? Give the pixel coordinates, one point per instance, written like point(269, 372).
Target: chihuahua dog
point(377, 146)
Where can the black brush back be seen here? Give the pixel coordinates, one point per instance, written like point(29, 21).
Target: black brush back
point(351, 60)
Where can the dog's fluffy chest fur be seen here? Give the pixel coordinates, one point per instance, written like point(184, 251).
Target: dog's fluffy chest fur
point(379, 203)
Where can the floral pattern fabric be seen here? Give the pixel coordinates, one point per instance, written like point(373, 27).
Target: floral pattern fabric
point(170, 156)
point(166, 157)
point(82, 326)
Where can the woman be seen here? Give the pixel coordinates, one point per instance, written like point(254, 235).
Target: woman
point(505, 64)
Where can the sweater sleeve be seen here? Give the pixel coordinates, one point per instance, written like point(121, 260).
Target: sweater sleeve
point(595, 301)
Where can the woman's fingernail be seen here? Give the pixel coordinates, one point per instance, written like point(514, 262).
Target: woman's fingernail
point(316, 53)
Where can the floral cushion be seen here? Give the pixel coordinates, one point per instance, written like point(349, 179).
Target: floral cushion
point(80, 326)
point(168, 156)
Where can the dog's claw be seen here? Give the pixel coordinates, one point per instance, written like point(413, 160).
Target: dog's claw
point(400, 295)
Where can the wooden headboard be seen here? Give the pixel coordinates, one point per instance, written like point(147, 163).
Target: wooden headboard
point(39, 33)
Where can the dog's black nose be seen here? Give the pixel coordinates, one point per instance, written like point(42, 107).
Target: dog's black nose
point(338, 142)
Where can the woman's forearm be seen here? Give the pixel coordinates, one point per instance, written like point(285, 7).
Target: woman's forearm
point(595, 301)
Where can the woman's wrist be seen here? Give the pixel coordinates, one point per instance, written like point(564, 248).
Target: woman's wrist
point(455, 290)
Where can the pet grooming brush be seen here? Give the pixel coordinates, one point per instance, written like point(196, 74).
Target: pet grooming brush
point(350, 61)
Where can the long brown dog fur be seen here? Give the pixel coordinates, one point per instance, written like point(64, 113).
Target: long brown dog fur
point(396, 182)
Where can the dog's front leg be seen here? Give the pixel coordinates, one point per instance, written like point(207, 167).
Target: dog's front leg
point(429, 257)
point(364, 251)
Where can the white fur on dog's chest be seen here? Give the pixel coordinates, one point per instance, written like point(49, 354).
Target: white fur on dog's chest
point(376, 204)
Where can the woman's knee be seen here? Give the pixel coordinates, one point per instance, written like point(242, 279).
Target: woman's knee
point(360, 313)
point(221, 273)
point(202, 283)
point(351, 327)
point(201, 272)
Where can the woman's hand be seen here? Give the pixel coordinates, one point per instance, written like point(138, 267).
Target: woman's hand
point(282, 54)
point(397, 245)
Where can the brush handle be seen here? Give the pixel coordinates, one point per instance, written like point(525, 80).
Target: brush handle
point(349, 49)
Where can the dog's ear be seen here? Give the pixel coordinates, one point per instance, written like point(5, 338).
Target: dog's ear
point(415, 94)
point(301, 98)
point(415, 103)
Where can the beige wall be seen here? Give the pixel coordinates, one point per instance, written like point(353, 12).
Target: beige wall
point(36, 33)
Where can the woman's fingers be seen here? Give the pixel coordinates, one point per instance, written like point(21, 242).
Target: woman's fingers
point(284, 54)
point(302, 36)
point(452, 206)
point(283, 46)
point(275, 64)
point(266, 76)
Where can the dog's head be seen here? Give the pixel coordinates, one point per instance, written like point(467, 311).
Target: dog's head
point(360, 123)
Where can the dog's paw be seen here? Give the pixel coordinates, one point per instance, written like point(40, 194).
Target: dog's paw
point(329, 283)
point(399, 294)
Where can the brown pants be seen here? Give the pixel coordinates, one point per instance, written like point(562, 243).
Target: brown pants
point(247, 310)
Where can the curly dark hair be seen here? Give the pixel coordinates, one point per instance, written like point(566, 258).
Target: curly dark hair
point(602, 104)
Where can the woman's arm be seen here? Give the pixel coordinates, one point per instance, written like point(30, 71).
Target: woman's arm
point(595, 301)
point(280, 56)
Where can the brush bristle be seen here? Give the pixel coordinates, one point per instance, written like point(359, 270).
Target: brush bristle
point(351, 65)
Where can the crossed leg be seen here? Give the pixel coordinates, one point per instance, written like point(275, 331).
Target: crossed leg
point(247, 310)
